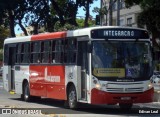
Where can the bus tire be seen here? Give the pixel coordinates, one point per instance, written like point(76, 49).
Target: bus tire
point(125, 106)
point(26, 93)
point(72, 97)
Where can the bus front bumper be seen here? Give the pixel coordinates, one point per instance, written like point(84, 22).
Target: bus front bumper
point(101, 97)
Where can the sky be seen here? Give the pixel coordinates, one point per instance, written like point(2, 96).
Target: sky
point(81, 13)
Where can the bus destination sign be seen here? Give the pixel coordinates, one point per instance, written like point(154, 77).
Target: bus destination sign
point(119, 33)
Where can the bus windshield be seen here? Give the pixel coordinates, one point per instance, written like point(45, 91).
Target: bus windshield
point(122, 60)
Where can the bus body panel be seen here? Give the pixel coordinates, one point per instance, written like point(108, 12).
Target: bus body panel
point(114, 92)
point(37, 80)
point(55, 35)
point(47, 81)
point(6, 76)
point(21, 73)
point(17, 39)
point(71, 76)
point(101, 97)
point(56, 82)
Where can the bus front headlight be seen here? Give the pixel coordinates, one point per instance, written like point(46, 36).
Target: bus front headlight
point(150, 85)
point(96, 83)
point(98, 86)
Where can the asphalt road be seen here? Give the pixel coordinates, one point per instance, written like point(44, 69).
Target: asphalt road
point(53, 108)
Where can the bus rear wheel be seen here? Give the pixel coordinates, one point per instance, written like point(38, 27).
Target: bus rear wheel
point(125, 106)
point(72, 98)
point(26, 93)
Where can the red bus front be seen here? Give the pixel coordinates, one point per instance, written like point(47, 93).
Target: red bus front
point(121, 72)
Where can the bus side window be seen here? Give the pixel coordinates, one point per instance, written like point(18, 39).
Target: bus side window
point(26, 55)
point(57, 51)
point(18, 53)
point(70, 50)
point(31, 56)
point(53, 51)
point(45, 49)
point(35, 52)
point(22, 52)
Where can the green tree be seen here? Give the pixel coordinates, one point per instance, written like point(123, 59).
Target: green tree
point(11, 13)
point(21, 10)
point(4, 32)
point(40, 13)
point(67, 26)
point(37, 14)
point(80, 22)
point(67, 10)
point(7, 13)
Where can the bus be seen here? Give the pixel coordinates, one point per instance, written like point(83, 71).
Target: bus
point(95, 65)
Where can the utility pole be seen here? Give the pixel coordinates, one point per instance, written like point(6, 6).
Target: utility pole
point(101, 15)
point(106, 10)
point(118, 12)
point(110, 13)
point(106, 16)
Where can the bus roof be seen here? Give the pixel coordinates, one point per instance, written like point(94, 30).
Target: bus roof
point(63, 34)
point(17, 39)
point(86, 31)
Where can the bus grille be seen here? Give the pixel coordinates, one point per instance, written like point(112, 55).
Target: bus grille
point(125, 87)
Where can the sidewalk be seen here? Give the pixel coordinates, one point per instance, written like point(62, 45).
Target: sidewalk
point(154, 104)
point(151, 105)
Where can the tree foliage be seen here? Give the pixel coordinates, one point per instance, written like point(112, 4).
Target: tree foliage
point(41, 13)
point(8, 10)
point(67, 26)
point(4, 32)
point(130, 3)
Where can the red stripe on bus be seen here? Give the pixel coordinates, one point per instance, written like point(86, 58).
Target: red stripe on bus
point(53, 35)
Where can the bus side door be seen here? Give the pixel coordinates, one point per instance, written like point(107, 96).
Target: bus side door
point(11, 69)
point(83, 63)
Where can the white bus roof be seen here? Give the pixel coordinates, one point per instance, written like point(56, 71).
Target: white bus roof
point(17, 39)
point(70, 33)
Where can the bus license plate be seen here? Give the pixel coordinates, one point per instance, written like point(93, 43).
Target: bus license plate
point(125, 98)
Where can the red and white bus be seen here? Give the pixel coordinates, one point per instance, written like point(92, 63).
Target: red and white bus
point(96, 65)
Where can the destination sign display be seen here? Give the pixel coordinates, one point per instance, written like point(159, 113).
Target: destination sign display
point(119, 33)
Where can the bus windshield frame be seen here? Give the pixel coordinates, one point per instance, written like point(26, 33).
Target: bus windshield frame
point(122, 60)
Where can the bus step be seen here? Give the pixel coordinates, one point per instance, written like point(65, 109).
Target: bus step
point(83, 101)
point(12, 92)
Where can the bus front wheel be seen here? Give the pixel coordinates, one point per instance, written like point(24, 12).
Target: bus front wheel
point(72, 97)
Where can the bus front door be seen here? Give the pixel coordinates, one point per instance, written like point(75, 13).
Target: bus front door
point(11, 63)
point(83, 62)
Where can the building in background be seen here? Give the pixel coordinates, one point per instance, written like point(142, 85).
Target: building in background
point(128, 16)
